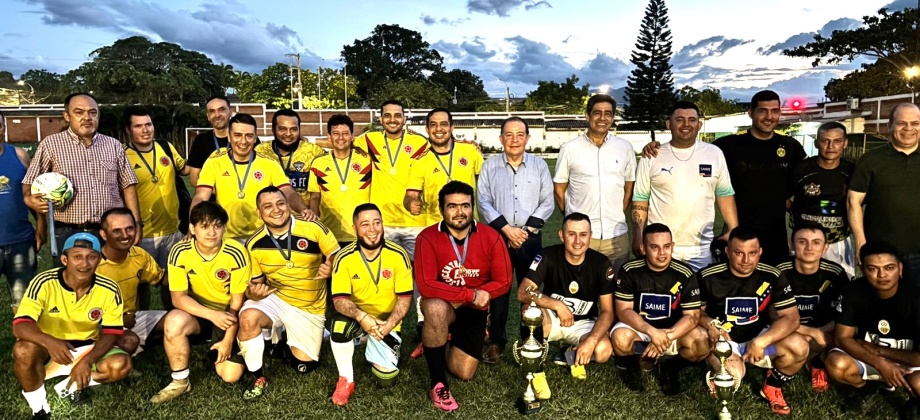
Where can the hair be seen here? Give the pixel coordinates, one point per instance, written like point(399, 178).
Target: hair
point(221, 97)
point(575, 217)
point(515, 119)
point(241, 118)
point(828, 126)
point(340, 119)
point(598, 98)
point(267, 190)
point(763, 96)
point(392, 102)
point(653, 229)
point(134, 111)
point(361, 208)
point(122, 211)
point(450, 117)
point(809, 226)
point(878, 248)
point(685, 105)
point(743, 233)
point(74, 95)
point(895, 110)
point(287, 112)
point(208, 212)
point(456, 187)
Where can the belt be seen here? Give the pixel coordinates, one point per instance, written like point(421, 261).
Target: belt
point(89, 226)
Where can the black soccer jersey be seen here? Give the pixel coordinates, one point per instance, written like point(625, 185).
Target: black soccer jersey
point(888, 322)
point(816, 294)
point(743, 302)
point(659, 297)
point(820, 196)
point(579, 287)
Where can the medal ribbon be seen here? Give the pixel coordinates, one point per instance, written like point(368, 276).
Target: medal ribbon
point(287, 168)
point(450, 168)
point(335, 162)
point(386, 144)
point(368, 266)
point(278, 246)
point(141, 155)
point(466, 247)
point(242, 183)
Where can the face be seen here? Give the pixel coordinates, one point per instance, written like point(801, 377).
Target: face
point(208, 234)
point(514, 138)
point(765, 116)
point(905, 129)
point(242, 138)
point(287, 130)
point(218, 113)
point(439, 129)
point(809, 245)
point(369, 229)
point(883, 271)
point(82, 115)
point(457, 211)
point(575, 235)
point(80, 263)
point(341, 138)
point(273, 210)
point(600, 118)
point(141, 130)
point(658, 248)
point(743, 256)
point(831, 144)
point(393, 120)
point(684, 125)
point(119, 231)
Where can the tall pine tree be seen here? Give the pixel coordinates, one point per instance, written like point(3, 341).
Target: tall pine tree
point(650, 87)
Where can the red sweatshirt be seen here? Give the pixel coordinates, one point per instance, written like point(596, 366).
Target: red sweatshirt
point(437, 268)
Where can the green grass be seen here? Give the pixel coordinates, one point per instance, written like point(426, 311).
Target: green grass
point(491, 394)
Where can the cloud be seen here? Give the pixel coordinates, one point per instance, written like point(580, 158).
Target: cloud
point(475, 48)
point(431, 20)
point(803, 38)
point(503, 8)
point(533, 61)
point(900, 5)
point(15, 65)
point(694, 54)
point(802, 86)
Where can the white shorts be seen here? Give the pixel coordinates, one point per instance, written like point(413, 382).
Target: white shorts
point(569, 335)
point(304, 330)
point(868, 372)
point(739, 348)
point(404, 236)
point(144, 324)
point(158, 247)
point(639, 348)
point(842, 253)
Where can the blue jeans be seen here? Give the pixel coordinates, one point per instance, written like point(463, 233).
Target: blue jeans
point(18, 262)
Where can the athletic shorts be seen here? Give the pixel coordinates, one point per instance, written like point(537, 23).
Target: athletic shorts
point(843, 253)
point(868, 372)
point(468, 332)
point(569, 335)
point(644, 339)
point(304, 330)
point(144, 324)
point(81, 348)
point(383, 353)
point(404, 236)
point(765, 363)
point(210, 334)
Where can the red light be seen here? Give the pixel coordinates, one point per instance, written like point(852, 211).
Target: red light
point(796, 104)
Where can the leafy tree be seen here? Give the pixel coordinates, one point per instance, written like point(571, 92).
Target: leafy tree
point(391, 53)
point(877, 79)
point(464, 86)
point(650, 86)
point(271, 87)
point(412, 93)
point(558, 98)
point(710, 101)
point(47, 85)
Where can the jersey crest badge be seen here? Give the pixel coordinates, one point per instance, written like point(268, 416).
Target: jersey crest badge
point(781, 152)
point(610, 273)
point(301, 244)
point(573, 287)
point(257, 175)
point(884, 327)
point(164, 161)
point(356, 167)
point(298, 166)
point(222, 274)
point(813, 189)
point(387, 273)
point(463, 161)
point(95, 314)
point(536, 262)
point(408, 148)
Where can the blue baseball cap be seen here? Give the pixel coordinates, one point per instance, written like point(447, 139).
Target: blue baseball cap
point(82, 240)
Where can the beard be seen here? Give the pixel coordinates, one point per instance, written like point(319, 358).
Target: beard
point(456, 224)
point(369, 246)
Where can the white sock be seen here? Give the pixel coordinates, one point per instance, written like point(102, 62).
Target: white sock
point(252, 350)
point(180, 375)
point(38, 399)
point(266, 334)
point(343, 354)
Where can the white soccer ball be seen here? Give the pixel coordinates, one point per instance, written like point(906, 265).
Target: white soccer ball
point(55, 188)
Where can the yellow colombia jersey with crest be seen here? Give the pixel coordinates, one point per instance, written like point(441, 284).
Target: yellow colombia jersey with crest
point(52, 304)
point(337, 206)
point(138, 267)
point(223, 176)
point(376, 295)
point(296, 165)
point(159, 203)
point(209, 282)
point(431, 171)
point(392, 160)
point(297, 285)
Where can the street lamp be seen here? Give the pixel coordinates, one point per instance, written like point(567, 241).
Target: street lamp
point(32, 90)
point(910, 73)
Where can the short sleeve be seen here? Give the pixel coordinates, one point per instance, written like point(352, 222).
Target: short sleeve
point(403, 283)
point(240, 277)
point(562, 166)
point(328, 242)
point(537, 270)
point(178, 278)
point(126, 175)
point(208, 175)
point(151, 273)
point(276, 172)
point(112, 321)
point(200, 150)
point(177, 158)
point(254, 262)
point(477, 163)
point(625, 286)
point(33, 303)
point(724, 182)
point(608, 285)
point(705, 293)
point(690, 297)
point(313, 183)
point(341, 281)
point(783, 298)
point(417, 174)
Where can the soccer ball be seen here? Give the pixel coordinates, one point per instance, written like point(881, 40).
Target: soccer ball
point(55, 188)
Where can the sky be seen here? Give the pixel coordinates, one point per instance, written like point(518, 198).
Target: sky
point(726, 44)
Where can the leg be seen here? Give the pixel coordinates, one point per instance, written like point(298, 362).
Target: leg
point(602, 350)
point(113, 368)
point(467, 337)
point(252, 345)
point(19, 264)
point(844, 369)
point(128, 342)
point(344, 330)
point(440, 315)
point(791, 353)
point(623, 340)
point(29, 369)
point(178, 325)
point(694, 345)
point(230, 370)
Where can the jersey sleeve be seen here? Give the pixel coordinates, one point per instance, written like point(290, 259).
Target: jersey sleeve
point(690, 297)
point(208, 175)
point(32, 304)
point(536, 272)
point(177, 158)
point(642, 191)
point(151, 273)
point(562, 166)
point(112, 312)
point(312, 182)
point(240, 277)
point(724, 182)
point(625, 286)
point(254, 261)
point(705, 293)
point(341, 281)
point(477, 162)
point(608, 284)
point(417, 174)
point(328, 242)
point(783, 298)
point(178, 278)
point(403, 284)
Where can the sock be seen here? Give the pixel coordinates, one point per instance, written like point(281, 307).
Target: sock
point(180, 375)
point(38, 399)
point(436, 358)
point(817, 363)
point(343, 354)
point(252, 350)
point(266, 334)
point(777, 379)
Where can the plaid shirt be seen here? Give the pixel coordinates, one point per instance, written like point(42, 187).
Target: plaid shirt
point(98, 173)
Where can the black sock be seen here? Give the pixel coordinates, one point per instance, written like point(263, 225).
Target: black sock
point(677, 363)
point(817, 363)
point(258, 373)
point(778, 379)
point(629, 362)
point(436, 358)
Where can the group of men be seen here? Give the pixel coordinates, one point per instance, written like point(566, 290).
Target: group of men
point(278, 230)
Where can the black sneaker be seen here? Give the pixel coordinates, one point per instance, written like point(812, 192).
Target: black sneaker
point(669, 378)
point(559, 357)
point(78, 397)
point(41, 415)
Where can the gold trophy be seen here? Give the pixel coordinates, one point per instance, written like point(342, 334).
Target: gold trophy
point(530, 355)
point(723, 385)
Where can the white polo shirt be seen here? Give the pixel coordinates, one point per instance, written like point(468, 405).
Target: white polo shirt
point(597, 177)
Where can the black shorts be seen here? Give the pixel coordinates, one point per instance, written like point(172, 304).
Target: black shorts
point(208, 333)
point(468, 331)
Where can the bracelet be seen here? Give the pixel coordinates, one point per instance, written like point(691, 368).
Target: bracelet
point(362, 318)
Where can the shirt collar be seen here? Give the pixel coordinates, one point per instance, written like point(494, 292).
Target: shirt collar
point(524, 158)
point(76, 139)
point(60, 276)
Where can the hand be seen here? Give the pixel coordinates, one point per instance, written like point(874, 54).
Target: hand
point(222, 320)
point(481, 299)
point(566, 319)
point(584, 351)
point(37, 203)
point(383, 328)
point(516, 236)
point(129, 320)
point(415, 206)
point(857, 245)
point(754, 351)
point(308, 215)
point(369, 324)
point(223, 347)
point(259, 291)
point(714, 334)
point(60, 351)
point(660, 341)
point(893, 375)
point(325, 270)
point(80, 374)
point(651, 149)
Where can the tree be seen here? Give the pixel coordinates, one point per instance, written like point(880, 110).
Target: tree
point(412, 93)
point(464, 86)
point(650, 86)
point(47, 85)
point(271, 87)
point(876, 79)
point(391, 53)
point(710, 101)
point(558, 98)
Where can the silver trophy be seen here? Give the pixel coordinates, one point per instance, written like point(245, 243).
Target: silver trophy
point(722, 385)
point(530, 355)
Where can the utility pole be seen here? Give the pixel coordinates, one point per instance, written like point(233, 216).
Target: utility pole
point(345, 69)
point(319, 83)
point(508, 95)
point(299, 84)
point(294, 87)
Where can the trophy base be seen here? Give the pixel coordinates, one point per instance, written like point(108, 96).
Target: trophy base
point(526, 408)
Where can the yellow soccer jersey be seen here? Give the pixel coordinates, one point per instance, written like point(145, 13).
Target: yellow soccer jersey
point(224, 176)
point(138, 267)
point(337, 206)
point(53, 306)
point(431, 171)
point(373, 293)
point(210, 282)
point(392, 160)
point(297, 285)
point(158, 201)
point(296, 165)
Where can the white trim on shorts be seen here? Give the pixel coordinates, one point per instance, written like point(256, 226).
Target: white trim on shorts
point(304, 330)
point(671, 351)
point(144, 324)
point(569, 335)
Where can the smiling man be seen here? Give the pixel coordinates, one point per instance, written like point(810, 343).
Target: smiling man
point(292, 152)
point(207, 142)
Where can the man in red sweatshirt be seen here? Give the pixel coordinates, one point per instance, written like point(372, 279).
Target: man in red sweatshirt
point(460, 266)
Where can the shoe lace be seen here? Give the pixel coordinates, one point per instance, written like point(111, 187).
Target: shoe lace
point(443, 393)
point(775, 395)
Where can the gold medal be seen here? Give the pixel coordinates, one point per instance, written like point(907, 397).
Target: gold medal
point(343, 188)
point(289, 264)
point(241, 195)
point(155, 179)
point(392, 171)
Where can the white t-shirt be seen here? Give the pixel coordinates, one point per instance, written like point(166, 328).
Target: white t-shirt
point(597, 177)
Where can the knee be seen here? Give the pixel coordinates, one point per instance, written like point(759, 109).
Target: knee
point(796, 345)
point(622, 340)
point(118, 366)
point(603, 351)
point(249, 320)
point(176, 324)
point(383, 378)
point(837, 365)
point(435, 307)
point(129, 342)
point(230, 375)
point(25, 352)
point(465, 374)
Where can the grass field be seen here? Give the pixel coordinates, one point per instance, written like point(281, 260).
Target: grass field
point(491, 394)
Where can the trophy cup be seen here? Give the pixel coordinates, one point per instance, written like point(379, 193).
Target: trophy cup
point(530, 355)
point(723, 385)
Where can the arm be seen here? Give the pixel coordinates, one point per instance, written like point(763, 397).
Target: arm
point(193, 175)
point(544, 302)
point(258, 290)
point(181, 300)
point(869, 354)
point(129, 195)
point(729, 212)
point(627, 194)
point(314, 202)
point(412, 201)
point(202, 193)
point(855, 217)
point(225, 347)
point(367, 321)
point(559, 194)
point(785, 323)
point(399, 312)
point(27, 330)
point(639, 219)
point(585, 348)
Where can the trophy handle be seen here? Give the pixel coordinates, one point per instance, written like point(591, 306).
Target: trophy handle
point(514, 352)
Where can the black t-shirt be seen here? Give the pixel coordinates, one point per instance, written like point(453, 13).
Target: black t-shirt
point(202, 147)
point(579, 287)
point(743, 302)
point(818, 294)
point(820, 196)
point(659, 297)
point(888, 322)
